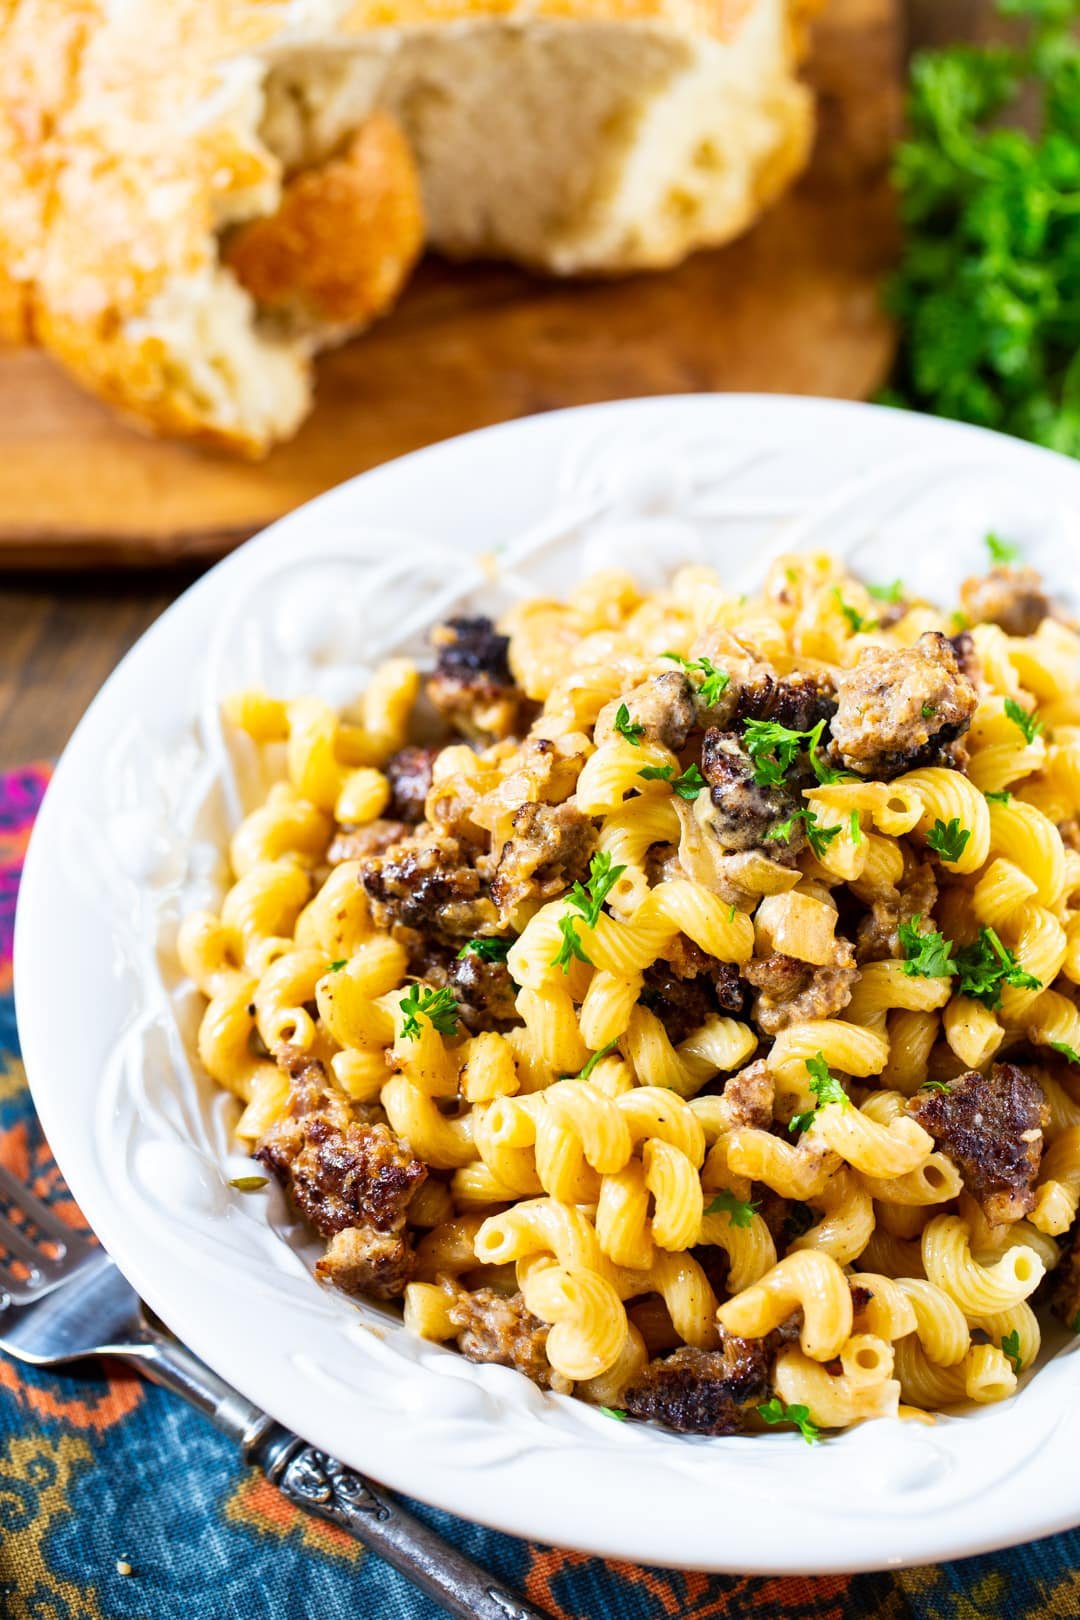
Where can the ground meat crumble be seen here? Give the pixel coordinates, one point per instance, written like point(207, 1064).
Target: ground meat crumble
point(741, 814)
point(902, 708)
point(349, 1178)
point(472, 684)
point(790, 991)
point(1013, 598)
point(991, 1126)
point(703, 1391)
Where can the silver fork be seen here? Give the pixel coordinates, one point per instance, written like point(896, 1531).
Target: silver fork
point(62, 1299)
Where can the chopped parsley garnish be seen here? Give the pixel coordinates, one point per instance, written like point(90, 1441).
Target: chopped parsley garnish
point(927, 711)
point(959, 621)
point(1004, 797)
point(1001, 551)
point(826, 1088)
point(818, 837)
point(597, 1057)
point(986, 965)
point(336, 967)
point(852, 615)
point(824, 773)
point(687, 786)
point(249, 1183)
point(488, 950)
point(714, 682)
point(725, 1203)
point(615, 1412)
point(731, 912)
point(773, 749)
point(935, 1085)
point(856, 828)
point(887, 593)
point(774, 1411)
point(589, 902)
point(1069, 1053)
point(947, 839)
point(571, 946)
point(439, 1007)
point(627, 727)
point(926, 956)
point(1028, 723)
point(1011, 1346)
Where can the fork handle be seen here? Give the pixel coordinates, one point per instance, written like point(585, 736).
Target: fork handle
point(323, 1486)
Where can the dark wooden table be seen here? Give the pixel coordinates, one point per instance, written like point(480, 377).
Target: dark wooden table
point(60, 639)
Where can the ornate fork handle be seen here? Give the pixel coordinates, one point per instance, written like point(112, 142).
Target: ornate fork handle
point(322, 1485)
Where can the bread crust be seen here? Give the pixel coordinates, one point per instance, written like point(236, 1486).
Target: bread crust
point(314, 258)
point(131, 168)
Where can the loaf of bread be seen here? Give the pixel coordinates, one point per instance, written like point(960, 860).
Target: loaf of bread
point(196, 195)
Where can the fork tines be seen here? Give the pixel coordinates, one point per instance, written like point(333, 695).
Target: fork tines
point(36, 1252)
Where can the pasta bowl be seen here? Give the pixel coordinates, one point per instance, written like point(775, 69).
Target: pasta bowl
point(129, 840)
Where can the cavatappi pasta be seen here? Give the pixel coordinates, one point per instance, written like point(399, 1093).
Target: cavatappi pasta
point(684, 1025)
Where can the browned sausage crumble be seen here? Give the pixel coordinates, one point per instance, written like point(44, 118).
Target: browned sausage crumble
point(991, 1126)
point(350, 1179)
point(902, 708)
point(1013, 598)
point(703, 1391)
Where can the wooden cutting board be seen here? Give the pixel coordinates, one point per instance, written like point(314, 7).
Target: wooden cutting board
point(791, 308)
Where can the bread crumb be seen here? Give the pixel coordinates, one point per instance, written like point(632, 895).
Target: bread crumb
point(123, 1567)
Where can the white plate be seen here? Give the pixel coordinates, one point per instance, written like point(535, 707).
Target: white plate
point(126, 841)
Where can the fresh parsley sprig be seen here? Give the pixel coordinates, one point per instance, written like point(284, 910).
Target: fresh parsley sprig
point(947, 839)
point(986, 965)
point(775, 1411)
point(1011, 1346)
point(856, 621)
point(817, 836)
point(925, 955)
point(687, 785)
point(826, 1088)
point(597, 1057)
point(585, 901)
point(628, 728)
point(439, 1007)
point(775, 748)
point(892, 593)
point(714, 682)
point(740, 1211)
point(1026, 720)
point(1001, 551)
point(488, 950)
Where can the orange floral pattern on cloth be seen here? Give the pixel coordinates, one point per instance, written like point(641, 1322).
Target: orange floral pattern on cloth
point(118, 1503)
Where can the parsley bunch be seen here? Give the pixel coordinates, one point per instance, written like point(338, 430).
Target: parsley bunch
point(988, 289)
